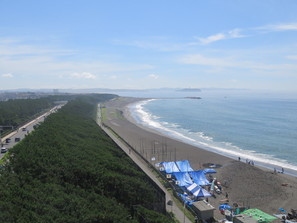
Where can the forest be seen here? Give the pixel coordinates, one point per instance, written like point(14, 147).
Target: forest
point(69, 171)
point(15, 112)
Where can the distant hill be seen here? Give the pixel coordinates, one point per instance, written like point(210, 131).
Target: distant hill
point(190, 90)
point(99, 90)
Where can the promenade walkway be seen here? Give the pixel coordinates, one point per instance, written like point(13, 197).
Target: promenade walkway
point(178, 213)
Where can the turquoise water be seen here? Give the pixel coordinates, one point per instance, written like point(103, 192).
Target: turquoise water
point(262, 129)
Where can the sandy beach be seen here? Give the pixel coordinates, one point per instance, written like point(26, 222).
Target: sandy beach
point(246, 185)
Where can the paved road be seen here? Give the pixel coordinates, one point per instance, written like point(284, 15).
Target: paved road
point(25, 129)
point(179, 214)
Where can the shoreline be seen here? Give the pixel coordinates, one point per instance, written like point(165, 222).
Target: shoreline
point(247, 185)
point(261, 164)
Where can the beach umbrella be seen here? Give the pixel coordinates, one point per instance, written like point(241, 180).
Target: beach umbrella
point(201, 193)
point(209, 171)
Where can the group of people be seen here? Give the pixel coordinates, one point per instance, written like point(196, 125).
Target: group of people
point(290, 216)
point(275, 171)
point(251, 162)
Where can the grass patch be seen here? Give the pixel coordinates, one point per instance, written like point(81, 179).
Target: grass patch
point(103, 114)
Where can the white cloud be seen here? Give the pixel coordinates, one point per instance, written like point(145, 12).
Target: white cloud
point(232, 34)
point(198, 59)
point(208, 61)
point(10, 47)
point(8, 75)
point(16, 56)
point(213, 38)
point(165, 44)
point(287, 27)
point(235, 33)
point(8, 40)
point(153, 76)
point(83, 75)
point(292, 57)
point(43, 62)
point(279, 27)
point(113, 77)
point(158, 44)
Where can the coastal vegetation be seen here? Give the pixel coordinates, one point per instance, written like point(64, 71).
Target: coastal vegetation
point(69, 170)
point(15, 112)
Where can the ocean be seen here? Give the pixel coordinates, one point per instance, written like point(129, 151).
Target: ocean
point(255, 127)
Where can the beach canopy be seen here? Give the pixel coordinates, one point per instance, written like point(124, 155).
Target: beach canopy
point(184, 166)
point(198, 191)
point(259, 215)
point(201, 193)
point(170, 167)
point(192, 187)
point(177, 166)
point(199, 177)
point(209, 171)
point(183, 178)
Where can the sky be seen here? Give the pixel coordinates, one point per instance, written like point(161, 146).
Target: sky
point(140, 44)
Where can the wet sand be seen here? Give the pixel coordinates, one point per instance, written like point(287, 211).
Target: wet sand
point(246, 185)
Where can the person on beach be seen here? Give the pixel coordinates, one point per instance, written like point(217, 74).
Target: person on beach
point(283, 170)
point(196, 219)
point(225, 183)
point(283, 219)
point(239, 158)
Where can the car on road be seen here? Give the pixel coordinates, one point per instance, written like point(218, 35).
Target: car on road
point(24, 129)
point(7, 140)
point(3, 150)
point(17, 139)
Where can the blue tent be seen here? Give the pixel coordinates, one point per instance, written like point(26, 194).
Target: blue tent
point(184, 166)
point(199, 177)
point(209, 171)
point(186, 199)
point(183, 178)
point(224, 207)
point(193, 188)
point(198, 191)
point(170, 167)
point(201, 193)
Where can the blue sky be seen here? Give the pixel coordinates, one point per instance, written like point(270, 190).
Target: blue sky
point(148, 44)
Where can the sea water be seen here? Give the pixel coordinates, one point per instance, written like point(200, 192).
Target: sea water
point(258, 128)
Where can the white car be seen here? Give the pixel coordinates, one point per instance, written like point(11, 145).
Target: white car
point(3, 150)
